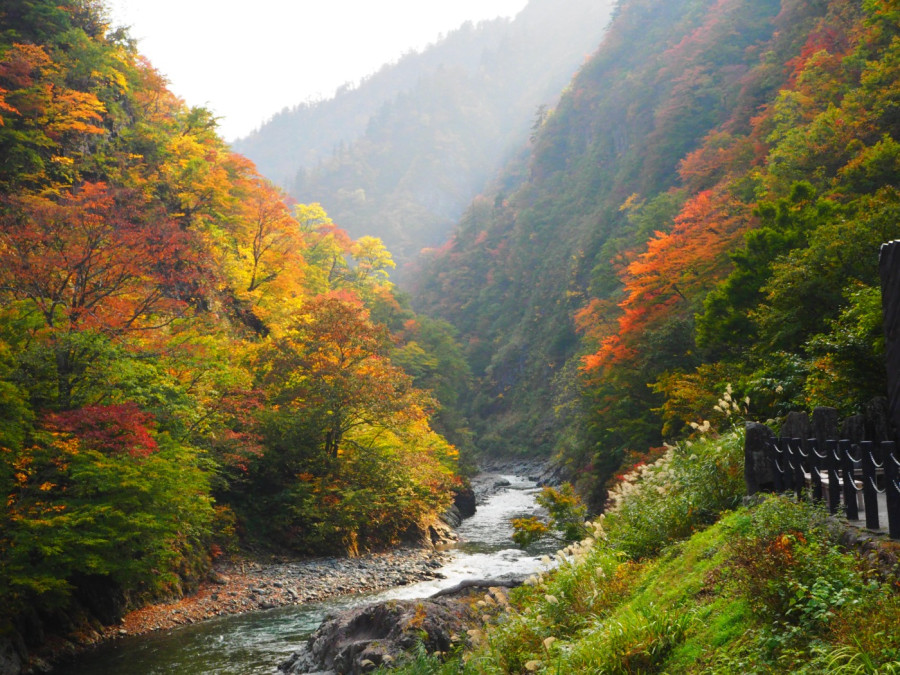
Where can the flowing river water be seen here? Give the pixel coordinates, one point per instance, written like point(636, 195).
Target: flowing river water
point(257, 642)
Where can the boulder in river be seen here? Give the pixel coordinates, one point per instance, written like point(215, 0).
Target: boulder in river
point(436, 534)
point(362, 639)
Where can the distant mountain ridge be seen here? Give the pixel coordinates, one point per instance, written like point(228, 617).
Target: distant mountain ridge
point(402, 155)
point(302, 136)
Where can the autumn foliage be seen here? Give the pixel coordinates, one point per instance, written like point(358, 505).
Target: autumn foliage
point(175, 333)
point(774, 247)
point(112, 430)
point(704, 207)
point(676, 269)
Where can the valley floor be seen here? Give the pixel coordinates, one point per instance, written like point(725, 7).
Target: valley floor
point(245, 586)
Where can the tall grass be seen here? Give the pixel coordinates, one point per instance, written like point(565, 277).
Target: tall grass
point(683, 491)
point(765, 589)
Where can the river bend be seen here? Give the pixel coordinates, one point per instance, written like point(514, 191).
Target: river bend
point(256, 642)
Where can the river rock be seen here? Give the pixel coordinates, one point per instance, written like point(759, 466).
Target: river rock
point(218, 578)
point(437, 535)
point(359, 640)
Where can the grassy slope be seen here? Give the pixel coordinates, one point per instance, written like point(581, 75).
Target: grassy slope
point(764, 589)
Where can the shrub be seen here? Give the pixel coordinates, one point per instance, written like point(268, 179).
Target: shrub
point(687, 488)
point(140, 522)
point(634, 641)
point(784, 559)
point(565, 518)
point(862, 637)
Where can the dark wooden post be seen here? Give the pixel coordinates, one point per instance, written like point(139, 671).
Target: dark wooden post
point(870, 489)
point(850, 503)
point(833, 467)
point(890, 488)
point(815, 469)
point(889, 268)
point(824, 428)
point(790, 463)
point(795, 448)
point(779, 465)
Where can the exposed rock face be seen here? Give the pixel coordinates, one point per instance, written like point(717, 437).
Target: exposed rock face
point(493, 476)
point(102, 597)
point(437, 534)
point(796, 425)
point(360, 640)
point(464, 501)
point(11, 651)
point(825, 425)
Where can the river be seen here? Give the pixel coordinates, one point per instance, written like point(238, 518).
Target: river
point(256, 642)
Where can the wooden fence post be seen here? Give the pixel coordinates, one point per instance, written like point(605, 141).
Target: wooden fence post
point(870, 485)
point(890, 488)
point(889, 269)
point(850, 501)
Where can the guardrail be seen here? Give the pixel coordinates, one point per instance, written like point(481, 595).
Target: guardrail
point(856, 477)
point(860, 476)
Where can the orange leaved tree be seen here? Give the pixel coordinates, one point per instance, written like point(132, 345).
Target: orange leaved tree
point(94, 260)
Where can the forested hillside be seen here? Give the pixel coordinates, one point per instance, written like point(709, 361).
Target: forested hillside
point(402, 155)
point(704, 207)
point(188, 362)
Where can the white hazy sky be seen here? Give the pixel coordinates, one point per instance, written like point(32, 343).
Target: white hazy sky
point(248, 59)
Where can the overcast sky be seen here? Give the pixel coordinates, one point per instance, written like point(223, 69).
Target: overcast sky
point(248, 59)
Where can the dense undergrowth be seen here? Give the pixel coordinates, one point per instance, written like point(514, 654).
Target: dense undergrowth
point(680, 578)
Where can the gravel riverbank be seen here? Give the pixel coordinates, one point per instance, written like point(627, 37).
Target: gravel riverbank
point(245, 586)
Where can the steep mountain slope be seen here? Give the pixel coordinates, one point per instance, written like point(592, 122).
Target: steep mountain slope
point(707, 146)
point(517, 269)
point(430, 147)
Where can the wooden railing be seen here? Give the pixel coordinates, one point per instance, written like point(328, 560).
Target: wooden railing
point(855, 477)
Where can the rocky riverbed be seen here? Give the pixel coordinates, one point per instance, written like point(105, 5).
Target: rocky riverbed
point(241, 588)
point(491, 477)
point(246, 586)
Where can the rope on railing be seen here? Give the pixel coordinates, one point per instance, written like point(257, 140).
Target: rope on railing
point(875, 487)
point(875, 462)
point(840, 472)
